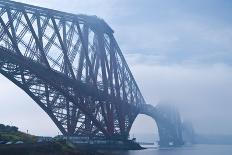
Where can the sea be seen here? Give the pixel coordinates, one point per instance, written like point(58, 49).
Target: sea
point(184, 150)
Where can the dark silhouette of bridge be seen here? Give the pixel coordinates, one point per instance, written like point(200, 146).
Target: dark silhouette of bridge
point(73, 68)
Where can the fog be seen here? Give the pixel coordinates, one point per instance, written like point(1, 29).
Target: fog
point(202, 93)
point(179, 52)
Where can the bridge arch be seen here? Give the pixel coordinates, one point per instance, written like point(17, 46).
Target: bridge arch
point(144, 129)
point(35, 81)
point(168, 123)
point(19, 109)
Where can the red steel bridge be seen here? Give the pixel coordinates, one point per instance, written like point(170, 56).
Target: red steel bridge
point(73, 68)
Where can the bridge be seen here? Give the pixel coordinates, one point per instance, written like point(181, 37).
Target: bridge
point(73, 68)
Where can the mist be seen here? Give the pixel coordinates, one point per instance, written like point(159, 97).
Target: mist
point(179, 52)
point(202, 93)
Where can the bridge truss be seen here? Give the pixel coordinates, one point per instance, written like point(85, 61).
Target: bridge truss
point(71, 66)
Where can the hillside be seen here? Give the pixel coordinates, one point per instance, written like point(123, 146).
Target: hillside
point(11, 133)
point(31, 146)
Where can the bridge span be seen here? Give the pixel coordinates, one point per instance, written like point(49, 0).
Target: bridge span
point(73, 68)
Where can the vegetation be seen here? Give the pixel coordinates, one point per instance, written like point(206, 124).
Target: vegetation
point(31, 146)
point(11, 133)
point(7, 128)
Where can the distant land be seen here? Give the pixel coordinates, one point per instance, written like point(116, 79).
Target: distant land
point(11, 133)
point(213, 139)
point(198, 138)
point(145, 137)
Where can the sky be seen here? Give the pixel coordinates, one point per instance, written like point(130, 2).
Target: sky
point(178, 51)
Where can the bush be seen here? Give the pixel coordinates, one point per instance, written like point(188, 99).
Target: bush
point(8, 128)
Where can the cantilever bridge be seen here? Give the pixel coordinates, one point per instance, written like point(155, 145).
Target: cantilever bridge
point(73, 68)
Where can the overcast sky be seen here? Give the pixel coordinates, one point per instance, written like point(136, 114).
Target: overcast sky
point(179, 51)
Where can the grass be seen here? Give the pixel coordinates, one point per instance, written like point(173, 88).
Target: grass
point(17, 136)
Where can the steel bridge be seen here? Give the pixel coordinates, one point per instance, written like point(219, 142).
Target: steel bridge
point(73, 68)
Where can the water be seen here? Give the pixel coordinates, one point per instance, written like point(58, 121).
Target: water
point(186, 150)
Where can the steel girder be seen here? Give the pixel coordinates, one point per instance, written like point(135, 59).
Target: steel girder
point(73, 68)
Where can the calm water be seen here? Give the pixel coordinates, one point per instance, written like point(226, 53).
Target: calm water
point(187, 150)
